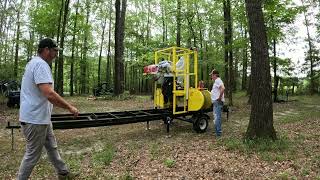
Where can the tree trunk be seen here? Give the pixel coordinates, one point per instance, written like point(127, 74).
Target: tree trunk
point(3, 17)
point(61, 58)
point(178, 40)
point(231, 77)
point(119, 46)
point(261, 117)
point(72, 51)
point(56, 62)
point(275, 78)
point(226, 51)
point(235, 71)
point(311, 58)
point(108, 68)
point(245, 64)
point(163, 17)
point(101, 46)
point(83, 63)
point(16, 57)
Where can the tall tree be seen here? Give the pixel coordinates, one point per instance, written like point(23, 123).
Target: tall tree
point(228, 49)
point(83, 63)
point(310, 53)
point(108, 68)
point(120, 7)
point(16, 57)
point(61, 58)
point(103, 27)
point(278, 15)
point(178, 40)
point(71, 83)
point(244, 64)
point(56, 62)
point(261, 117)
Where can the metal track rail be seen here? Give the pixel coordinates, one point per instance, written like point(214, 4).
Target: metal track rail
point(67, 121)
point(86, 120)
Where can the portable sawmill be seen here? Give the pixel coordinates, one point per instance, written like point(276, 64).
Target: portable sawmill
point(176, 96)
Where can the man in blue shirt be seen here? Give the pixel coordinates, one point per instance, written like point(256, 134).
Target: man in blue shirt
point(36, 101)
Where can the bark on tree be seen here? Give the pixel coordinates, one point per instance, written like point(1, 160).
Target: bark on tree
point(120, 7)
point(108, 68)
point(178, 40)
point(101, 46)
point(231, 77)
point(73, 49)
point(261, 117)
point(16, 57)
point(164, 25)
point(310, 53)
point(226, 52)
point(83, 63)
point(245, 64)
point(275, 77)
point(61, 58)
point(56, 62)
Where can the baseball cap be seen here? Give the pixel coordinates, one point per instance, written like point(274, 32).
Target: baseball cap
point(214, 72)
point(48, 43)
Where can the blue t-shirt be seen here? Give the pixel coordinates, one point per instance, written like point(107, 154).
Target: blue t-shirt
point(34, 106)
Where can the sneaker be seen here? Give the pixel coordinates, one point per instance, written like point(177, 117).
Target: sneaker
point(69, 176)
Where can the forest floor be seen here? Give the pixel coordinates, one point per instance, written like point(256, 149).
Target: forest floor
point(132, 152)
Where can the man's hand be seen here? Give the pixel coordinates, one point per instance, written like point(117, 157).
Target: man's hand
point(74, 110)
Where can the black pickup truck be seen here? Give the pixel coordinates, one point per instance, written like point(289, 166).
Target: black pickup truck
point(11, 89)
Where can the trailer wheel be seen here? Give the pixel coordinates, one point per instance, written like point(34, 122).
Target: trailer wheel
point(200, 124)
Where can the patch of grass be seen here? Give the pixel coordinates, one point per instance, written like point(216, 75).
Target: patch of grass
point(234, 144)
point(126, 176)
point(79, 142)
point(154, 151)
point(283, 175)
point(105, 156)
point(268, 145)
point(278, 150)
point(169, 162)
point(303, 114)
point(316, 160)
point(268, 156)
point(305, 171)
point(74, 162)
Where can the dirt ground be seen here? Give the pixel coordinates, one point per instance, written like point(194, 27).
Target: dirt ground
point(132, 152)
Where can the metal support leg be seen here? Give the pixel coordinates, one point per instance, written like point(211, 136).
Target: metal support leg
point(148, 127)
point(168, 120)
point(12, 139)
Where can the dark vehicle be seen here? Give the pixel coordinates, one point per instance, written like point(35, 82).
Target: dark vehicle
point(102, 89)
point(12, 92)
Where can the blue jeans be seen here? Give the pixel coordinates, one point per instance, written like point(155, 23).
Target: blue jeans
point(217, 108)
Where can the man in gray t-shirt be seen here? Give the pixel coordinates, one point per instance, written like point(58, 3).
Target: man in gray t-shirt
point(37, 98)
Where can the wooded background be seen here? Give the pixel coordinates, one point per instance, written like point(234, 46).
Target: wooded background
point(111, 41)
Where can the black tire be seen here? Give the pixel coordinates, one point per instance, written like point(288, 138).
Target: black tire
point(200, 124)
point(167, 120)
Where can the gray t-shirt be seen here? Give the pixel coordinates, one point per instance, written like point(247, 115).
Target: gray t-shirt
point(34, 106)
